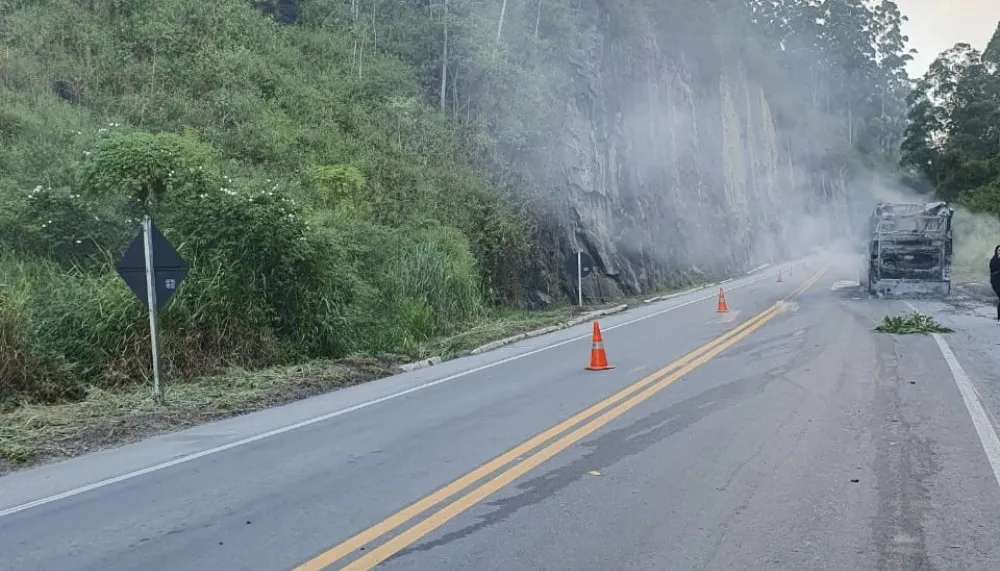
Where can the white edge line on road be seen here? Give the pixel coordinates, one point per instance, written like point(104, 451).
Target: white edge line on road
point(980, 419)
point(335, 414)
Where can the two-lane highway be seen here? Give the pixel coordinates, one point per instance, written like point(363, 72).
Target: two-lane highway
point(783, 434)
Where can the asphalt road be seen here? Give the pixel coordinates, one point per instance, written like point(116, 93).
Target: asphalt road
point(784, 434)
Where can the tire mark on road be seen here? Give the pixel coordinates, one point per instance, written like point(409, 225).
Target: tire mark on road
point(903, 464)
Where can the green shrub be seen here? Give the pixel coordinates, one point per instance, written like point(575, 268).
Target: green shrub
point(59, 225)
point(260, 236)
point(95, 322)
point(43, 139)
point(103, 330)
point(143, 167)
point(23, 367)
point(437, 269)
point(984, 199)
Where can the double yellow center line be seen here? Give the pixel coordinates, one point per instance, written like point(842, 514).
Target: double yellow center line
point(607, 410)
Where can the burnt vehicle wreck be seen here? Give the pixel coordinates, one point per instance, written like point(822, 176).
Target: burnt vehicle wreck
point(909, 250)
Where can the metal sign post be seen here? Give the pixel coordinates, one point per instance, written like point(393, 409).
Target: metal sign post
point(580, 266)
point(147, 242)
point(152, 269)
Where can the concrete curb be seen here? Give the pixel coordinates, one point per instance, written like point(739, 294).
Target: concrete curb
point(679, 293)
point(408, 367)
point(418, 365)
point(546, 330)
point(705, 286)
point(565, 325)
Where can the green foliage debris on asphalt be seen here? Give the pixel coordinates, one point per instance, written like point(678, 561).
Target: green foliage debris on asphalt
point(915, 322)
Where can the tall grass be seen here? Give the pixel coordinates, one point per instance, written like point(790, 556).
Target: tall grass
point(271, 280)
point(254, 297)
point(25, 367)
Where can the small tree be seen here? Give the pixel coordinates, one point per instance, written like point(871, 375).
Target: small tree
point(144, 167)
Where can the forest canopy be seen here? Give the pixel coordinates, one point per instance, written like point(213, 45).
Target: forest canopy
point(953, 139)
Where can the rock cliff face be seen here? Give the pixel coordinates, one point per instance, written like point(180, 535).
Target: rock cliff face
point(666, 169)
point(669, 164)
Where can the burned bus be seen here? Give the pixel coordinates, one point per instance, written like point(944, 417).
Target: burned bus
point(909, 250)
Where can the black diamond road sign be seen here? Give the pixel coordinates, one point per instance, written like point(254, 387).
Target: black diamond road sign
point(169, 269)
point(586, 263)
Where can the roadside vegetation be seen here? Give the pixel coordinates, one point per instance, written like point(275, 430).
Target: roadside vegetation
point(324, 208)
point(952, 147)
point(915, 322)
point(34, 432)
point(953, 138)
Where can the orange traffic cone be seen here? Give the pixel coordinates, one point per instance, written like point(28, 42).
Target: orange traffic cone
point(598, 358)
point(722, 302)
point(779, 276)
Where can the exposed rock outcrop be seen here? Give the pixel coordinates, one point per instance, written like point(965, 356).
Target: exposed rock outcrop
point(664, 174)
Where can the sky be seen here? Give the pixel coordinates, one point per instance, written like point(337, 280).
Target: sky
point(936, 25)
